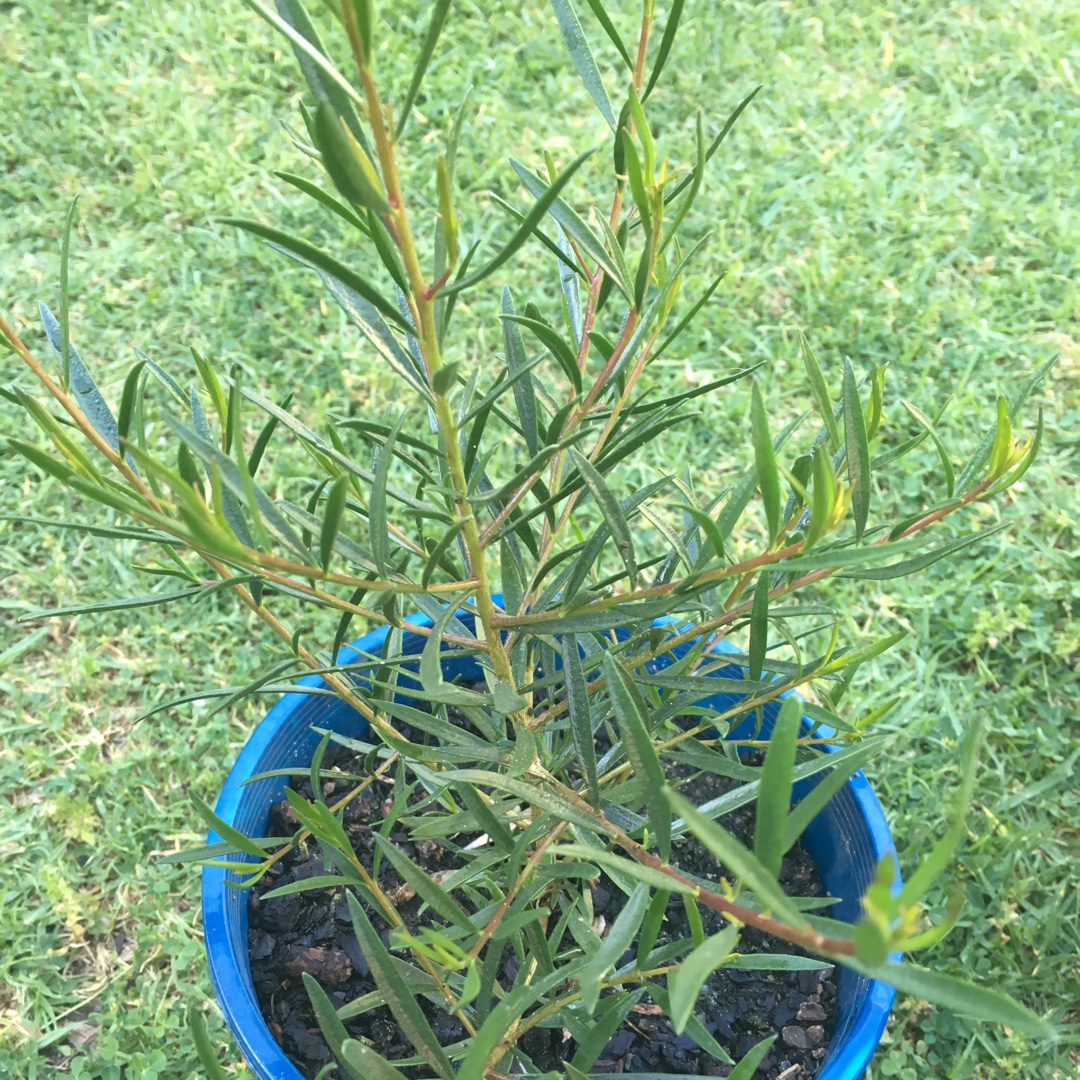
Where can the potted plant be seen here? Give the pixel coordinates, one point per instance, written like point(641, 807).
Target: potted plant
point(552, 809)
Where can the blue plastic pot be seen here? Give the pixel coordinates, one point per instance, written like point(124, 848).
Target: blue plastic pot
point(846, 841)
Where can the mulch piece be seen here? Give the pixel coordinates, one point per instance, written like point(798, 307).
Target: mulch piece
point(311, 932)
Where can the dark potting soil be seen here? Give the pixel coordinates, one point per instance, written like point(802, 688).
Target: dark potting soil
point(312, 932)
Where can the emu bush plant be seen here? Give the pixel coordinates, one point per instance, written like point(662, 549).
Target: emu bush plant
point(495, 491)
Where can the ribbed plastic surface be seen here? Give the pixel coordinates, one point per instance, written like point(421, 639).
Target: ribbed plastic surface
point(846, 841)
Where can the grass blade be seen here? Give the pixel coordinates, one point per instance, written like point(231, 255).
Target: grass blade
point(204, 1048)
point(774, 799)
point(399, 997)
point(858, 451)
point(577, 697)
point(582, 56)
point(630, 715)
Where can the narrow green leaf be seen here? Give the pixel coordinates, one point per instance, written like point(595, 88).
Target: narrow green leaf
point(365, 1063)
point(514, 1005)
point(775, 795)
point(226, 831)
point(437, 898)
point(688, 318)
point(534, 794)
point(524, 396)
point(619, 938)
point(574, 227)
point(625, 867)
point(676, 189)
point(972, 472)
point(1002, 445)
point(946, 462)
point(609, 28)
point(759, 626)
point(858, 450)
point(65, 322)
point(438, 552)
point(371, 324)
point(818, 798)
point(630, 715)
point(431, 676)
point(920, 562)
point(768, 477)
point(1024, 463)
point(582, 57)
point(344, 159)
point(399, 997)
point(212, 457)
point(83, 387)
point(613, 515)
point(333, 1030)
point(128, 400)
point(577, 697)
point(322, 260)
point(313, 191)
point(741, 862)
point(335, 507)
point(635, 175)
point(550, 338)
point(685, 982)
point(325, 81)
point(777, 961)
point(439, 10)
point(671, 28)
point(931, 867)
point(979, 1002)
point(746, 1069)
point(820, 391)
point(378, 527)
point(823, 496)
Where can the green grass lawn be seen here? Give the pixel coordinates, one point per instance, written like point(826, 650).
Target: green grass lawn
point(903, 188)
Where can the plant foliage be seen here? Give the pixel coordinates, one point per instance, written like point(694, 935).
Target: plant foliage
point(595, 611)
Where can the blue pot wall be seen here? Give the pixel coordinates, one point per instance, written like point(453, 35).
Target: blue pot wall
point(846, 840)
